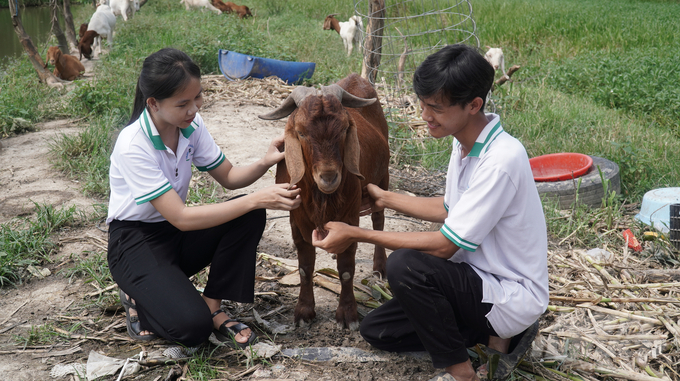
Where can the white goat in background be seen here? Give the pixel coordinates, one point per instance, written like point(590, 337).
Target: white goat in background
point(496, 59)
point(349, 30)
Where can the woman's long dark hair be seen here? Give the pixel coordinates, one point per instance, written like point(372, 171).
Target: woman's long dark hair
point(163, 74)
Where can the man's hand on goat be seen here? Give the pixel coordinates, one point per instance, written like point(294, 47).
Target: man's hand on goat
point(336, 239)
point(371, 200)
point(275, 152)
point(279, 197)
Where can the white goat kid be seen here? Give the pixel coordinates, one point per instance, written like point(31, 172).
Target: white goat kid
point(350, 32)
point(122, 7)
point(103, 21)
point(188, 4)
point(495, 57)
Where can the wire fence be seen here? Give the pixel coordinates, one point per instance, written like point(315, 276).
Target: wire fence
point(400, 34)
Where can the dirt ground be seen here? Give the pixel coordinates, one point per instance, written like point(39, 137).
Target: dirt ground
point(26, 176)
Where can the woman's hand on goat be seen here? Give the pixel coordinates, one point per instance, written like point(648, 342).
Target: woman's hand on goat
point(372, 200)
point(335, 239)
point(279, 197)
point(275, 152)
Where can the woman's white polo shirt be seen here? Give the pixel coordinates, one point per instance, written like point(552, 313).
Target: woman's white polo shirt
point(496, 218)
point(143, 167)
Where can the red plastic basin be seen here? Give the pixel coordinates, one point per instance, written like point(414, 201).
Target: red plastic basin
point(560, 166)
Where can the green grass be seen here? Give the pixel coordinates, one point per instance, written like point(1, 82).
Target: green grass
point(25, 242)
point(596, 78)
point(94, 268)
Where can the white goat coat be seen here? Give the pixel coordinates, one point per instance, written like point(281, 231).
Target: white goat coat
point(349, 31)
point(188, 4)
point(496, 58)
point(121, 7)
point(103, 21)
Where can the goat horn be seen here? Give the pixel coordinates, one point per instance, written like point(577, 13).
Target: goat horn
point(347, 99)
point(290, 104)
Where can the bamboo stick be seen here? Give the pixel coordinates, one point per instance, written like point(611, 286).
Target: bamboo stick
point(626, 314)
point(579, 336)
point(568, 299)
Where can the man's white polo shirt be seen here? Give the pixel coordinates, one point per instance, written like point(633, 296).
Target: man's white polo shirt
point(143, 167)
point(496, 218)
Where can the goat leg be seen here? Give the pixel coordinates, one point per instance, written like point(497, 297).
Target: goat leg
point(304, 310)
point(379, 256)
point(346, 315)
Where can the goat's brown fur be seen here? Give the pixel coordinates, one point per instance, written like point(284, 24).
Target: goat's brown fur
point(228, 7)
point(331, 23)
point(66, 66)
point(219, 4)
point(83, 29)
point(85, 44)
point(337, 141)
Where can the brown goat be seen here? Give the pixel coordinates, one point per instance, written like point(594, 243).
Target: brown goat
point(66, 66)
point(335, 144)
point(83, 29)
point(219, 4)
point(85, 44)
point(241, 10)
point(331, 23)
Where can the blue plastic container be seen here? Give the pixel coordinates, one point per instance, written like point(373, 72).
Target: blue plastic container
point(655, 209)
point(235, 65)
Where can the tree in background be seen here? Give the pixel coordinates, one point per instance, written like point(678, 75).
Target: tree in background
point(70, 28)
point(33, 56)
point(56, 29)
point(373, 41)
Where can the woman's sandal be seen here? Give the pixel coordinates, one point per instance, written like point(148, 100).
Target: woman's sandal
point(500, 365)
point(227, 334)
point(134, 327)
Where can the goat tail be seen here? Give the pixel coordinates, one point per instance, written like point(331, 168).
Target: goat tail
point(138, 105)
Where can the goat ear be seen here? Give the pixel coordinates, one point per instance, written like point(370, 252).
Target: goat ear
point(295, 164)
point(352, 150)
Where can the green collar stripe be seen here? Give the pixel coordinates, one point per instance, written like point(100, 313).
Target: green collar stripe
point(494, 138)
point(186, 132)
point(151, 195)
point(214, 164)
point(453, 237)
point(155, 139)
point(446, 207)
point(477, 148)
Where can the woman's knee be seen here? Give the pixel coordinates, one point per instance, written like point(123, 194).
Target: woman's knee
point(191, 334)
point(191, 331)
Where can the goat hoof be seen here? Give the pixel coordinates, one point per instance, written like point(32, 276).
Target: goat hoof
point(352, 326)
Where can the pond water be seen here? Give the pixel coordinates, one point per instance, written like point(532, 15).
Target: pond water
point(36, 22)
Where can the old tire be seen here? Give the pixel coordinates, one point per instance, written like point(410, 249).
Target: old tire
point(591, 190)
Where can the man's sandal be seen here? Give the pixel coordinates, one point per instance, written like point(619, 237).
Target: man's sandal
point(500, 365)
point(134, 327)
point(226, 335)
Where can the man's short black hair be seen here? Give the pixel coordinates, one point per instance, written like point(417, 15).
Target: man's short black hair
point(458, 73)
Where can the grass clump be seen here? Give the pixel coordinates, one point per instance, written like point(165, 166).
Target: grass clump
point(20, 100)
point(26, 242)
point(40, 335)
point(94, 268)
point(86, 155)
